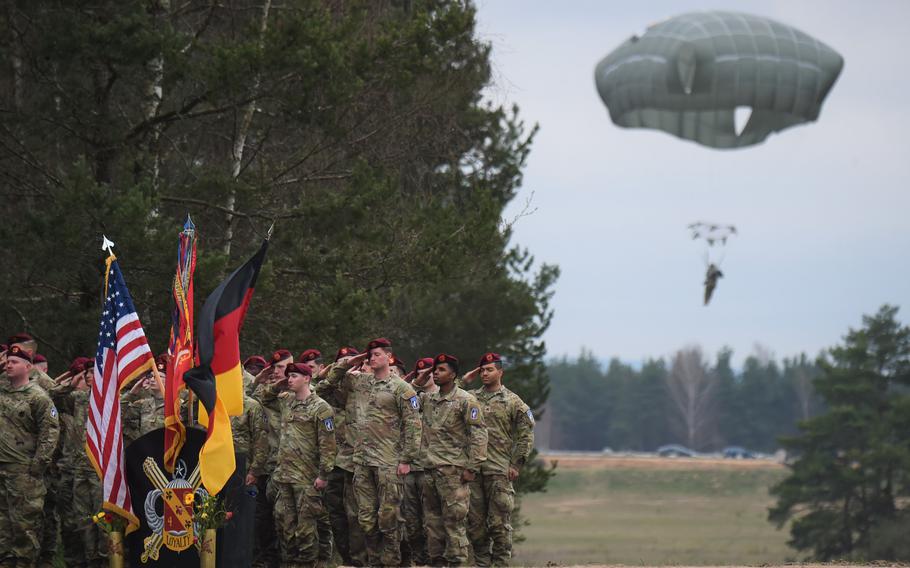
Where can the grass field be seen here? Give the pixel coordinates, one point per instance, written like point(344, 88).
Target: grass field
point(654, 512)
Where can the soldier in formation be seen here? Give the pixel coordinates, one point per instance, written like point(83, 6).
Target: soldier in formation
point(385, 467)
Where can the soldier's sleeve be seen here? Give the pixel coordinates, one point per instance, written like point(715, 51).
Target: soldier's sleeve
point(249, 383)
point(523, 438)
point(326, 438)
point(477, 433)
point(45, 415)
point(61, 396)
point(409, 408)
point(259, 442)
point(265, 394)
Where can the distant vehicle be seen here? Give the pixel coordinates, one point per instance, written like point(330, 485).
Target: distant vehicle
point(735, 452)
point(675, 451)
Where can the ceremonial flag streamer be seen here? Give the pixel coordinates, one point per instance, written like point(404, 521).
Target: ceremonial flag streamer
point(180, 347)
point(123, 355)
point(217, 379)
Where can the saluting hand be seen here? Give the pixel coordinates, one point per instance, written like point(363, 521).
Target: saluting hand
point(355, 360)
point(422, 377)
point(262, 375)
point(471, 375)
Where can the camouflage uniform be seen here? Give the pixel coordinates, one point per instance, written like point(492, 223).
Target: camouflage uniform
point(29, 431)
point(266, 546)
point(50, 530)
point(339, 495)
point(384, 430)
point(455, 439)
point(251, 436)
point(86, 493)
point(414, 545)
point(306, 450)
point(510, 425)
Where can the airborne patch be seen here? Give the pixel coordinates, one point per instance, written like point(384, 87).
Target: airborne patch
point(474, 413)
point(329, 424)
point(415, 404)
point(530, 416)
point(53, 412)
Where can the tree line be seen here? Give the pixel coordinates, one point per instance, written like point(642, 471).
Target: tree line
point(690, 399)
point(359, 128)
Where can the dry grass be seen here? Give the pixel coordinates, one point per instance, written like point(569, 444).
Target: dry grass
point(651, 511)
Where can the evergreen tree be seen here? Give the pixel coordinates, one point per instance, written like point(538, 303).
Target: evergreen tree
point(358, 127)
point(850, 480)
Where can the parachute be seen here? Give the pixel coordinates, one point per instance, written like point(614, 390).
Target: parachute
point(714, 236)
point(721, 79)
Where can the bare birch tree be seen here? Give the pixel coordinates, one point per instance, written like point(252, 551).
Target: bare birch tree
point(692, 391)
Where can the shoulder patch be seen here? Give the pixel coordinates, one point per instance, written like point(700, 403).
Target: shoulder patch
point(530, 415)
point(329, 424)
point(53, 411)
point(474, 412)
point(414, 402)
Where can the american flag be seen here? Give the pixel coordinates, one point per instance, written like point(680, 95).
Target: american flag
point(123, 354)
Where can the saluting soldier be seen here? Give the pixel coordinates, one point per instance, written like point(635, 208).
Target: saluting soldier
point(266, 554)
point(414, 545)
point(252, 366)
point(339, 497)
point(387, 426)
point(29, 431)
point(306, 456)
point(456, 446)
point(87, 494)
point(312, 358)
point(510, 428)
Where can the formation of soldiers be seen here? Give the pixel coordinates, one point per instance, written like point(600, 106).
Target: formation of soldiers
point(361, 457)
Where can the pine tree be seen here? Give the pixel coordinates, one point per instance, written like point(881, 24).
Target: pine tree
point(850, 478)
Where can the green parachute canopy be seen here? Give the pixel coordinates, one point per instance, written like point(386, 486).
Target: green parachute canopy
point(722, 79)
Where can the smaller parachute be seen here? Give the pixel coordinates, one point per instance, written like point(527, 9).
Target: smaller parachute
point(714, 237)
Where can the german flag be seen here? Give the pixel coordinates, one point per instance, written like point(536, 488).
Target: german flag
point(218, 332)
point(217, 379)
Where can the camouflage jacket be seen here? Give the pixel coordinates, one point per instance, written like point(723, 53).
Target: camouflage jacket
point(251, 436)
point(510, 426)
point(306, 448)
point(29, 428)
point(272, 410)
point(453, 430)
point(383, 421)
point(344, 458)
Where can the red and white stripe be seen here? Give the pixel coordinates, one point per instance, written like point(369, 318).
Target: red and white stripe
point(103, 432)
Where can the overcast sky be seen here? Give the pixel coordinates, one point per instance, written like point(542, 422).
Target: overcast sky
point(822, 209)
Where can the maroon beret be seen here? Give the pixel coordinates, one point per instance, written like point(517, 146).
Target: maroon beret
point(77, 365)
point(255, 360)
point(281, 355)
point(310, 355)
point(16, 351)
point(379, 342)
point(39, 358)
point(346, 352)
point(423, 363)
point(88, 364)
point(396, 362)
point(4, 347)
point(19, 338)
point(489, 358)
point(445, 358)
point(298, 368)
